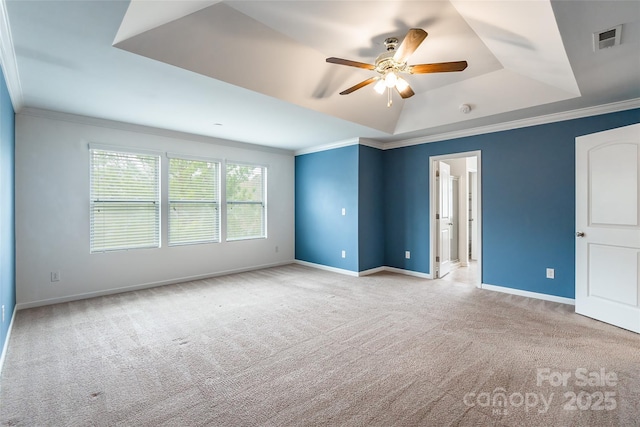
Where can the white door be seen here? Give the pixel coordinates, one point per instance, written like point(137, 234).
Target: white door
point(473, 224)
point(608, 226)
point(444, 219)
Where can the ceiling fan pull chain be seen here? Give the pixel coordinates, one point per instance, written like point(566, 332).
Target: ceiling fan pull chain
point(389, 98)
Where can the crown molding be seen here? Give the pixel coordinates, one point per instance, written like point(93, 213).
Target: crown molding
point(372, 143)
point(8, 60)
point(130, 127)
point(339, 144)
point(517, 124)
point(330, 146)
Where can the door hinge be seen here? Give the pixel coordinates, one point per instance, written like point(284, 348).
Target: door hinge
point(437, 259)
point(437, 174)
point(437, 216)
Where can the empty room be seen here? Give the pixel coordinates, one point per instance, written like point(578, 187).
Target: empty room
point(338, 213)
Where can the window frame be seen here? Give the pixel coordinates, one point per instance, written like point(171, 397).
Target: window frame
point(216, 202)
point(95, 202)
point(263, 203)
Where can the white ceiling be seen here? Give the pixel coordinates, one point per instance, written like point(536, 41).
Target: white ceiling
point(255, 71)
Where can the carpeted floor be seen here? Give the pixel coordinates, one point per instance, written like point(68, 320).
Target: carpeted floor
point(294, 346)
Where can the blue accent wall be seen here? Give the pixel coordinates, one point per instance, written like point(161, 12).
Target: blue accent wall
point(406, 188)
point(326, 182)
point(7, 210)
point(370, 208)
point(528, 203)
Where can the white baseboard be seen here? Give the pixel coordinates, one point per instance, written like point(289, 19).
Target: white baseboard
point(40, 303)
point(371, 271)
point(327, 268)
point(536, 295)
point(408, 272)
point(5, 345)
point(365, 272)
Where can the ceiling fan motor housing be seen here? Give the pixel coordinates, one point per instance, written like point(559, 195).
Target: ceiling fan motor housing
point(385, 62)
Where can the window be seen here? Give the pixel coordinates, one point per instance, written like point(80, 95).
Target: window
point(194, 216)
point(125, 201)
point(246, 201)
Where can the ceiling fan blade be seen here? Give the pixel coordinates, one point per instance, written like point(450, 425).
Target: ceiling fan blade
point(350, 63)
point(412, 40)
point(441, 67)
point(359, 85)
point(406, 93)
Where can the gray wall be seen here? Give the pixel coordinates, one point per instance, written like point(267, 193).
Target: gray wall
point(52, 213)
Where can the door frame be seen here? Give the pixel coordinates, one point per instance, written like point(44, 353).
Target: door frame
point(433, 204)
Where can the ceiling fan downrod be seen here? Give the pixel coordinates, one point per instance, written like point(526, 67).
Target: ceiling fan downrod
point(391, 43)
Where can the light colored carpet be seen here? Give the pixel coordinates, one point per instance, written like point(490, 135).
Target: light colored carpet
point(293, 346)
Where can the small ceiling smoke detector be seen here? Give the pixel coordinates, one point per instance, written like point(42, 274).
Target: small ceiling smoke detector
point(465, 108)
point(607, 38)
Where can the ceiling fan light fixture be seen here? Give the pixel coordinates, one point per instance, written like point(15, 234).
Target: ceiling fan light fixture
point(380, 86)
point(390, 79)
point(401, 84)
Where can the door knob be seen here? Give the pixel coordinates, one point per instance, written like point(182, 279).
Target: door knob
point(579, 234)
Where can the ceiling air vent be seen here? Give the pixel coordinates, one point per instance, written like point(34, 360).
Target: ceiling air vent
point(607, 38)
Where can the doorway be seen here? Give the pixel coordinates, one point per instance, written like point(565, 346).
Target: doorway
point(455, 217)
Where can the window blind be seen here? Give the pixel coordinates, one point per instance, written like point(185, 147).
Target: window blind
point(194, 215)
point(124, 201)
point(246, 201)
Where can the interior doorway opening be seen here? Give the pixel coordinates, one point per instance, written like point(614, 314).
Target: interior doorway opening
point(455, 217)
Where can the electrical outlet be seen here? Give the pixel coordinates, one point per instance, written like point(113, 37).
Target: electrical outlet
point(55, 276)
point(344, 254)
point(551, 273)
point(407, 254)
point(344, 211)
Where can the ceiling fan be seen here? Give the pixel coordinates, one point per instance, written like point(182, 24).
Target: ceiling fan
point(390, 64)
